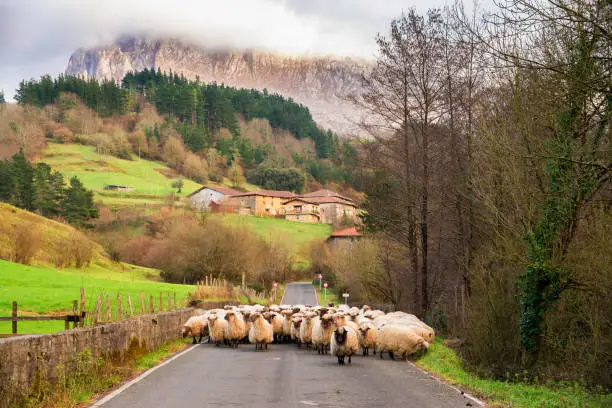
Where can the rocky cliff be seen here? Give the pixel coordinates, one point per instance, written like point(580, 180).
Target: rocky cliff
point(321, 83)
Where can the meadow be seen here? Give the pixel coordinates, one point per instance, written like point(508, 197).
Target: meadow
point(40, 290)
point(296, 237)
point(151, 181)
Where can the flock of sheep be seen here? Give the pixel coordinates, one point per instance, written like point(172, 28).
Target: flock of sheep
point(340, 331)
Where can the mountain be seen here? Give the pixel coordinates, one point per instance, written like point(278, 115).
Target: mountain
point(320, 83)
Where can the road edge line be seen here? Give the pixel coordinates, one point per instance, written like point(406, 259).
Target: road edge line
point(141, 377)
point(460, 391)
point(316, 296)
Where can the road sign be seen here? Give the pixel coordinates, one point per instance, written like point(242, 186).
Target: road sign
point(325, 284)
point(275, 284)
point(320, 276)
point(345, 295)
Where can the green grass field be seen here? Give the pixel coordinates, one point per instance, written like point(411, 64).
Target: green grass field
point(444, 362)
point(40, 290)
point(295, 236)
point(146, 177)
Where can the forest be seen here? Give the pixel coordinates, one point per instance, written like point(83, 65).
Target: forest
point(488, 201)
point(200, 113)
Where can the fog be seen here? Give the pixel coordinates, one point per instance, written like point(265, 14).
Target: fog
point(37, 37)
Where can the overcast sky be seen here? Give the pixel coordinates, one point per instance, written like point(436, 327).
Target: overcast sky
point(38, 36)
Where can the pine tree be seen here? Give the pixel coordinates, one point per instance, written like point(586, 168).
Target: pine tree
point(22, 174)
point(78, 204)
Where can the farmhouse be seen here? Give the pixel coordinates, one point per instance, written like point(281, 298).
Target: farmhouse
point(324, 206)
point(266, 203)
point(203, 198)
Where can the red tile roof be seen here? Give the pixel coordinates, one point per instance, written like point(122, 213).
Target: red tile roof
point(267, 193)
point(324, 193)
point(348, 232)
point(222, 190)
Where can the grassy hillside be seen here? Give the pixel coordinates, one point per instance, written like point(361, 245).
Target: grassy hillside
point(51, 236)
point(39, 290)
point(151, 180)
point(296, 236)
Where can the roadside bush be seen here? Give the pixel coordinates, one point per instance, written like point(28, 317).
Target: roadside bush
point(76, 250)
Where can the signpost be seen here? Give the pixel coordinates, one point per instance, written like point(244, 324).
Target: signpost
point(325, 291)
point(345, 296)
point(320, 278)
point(275, 285)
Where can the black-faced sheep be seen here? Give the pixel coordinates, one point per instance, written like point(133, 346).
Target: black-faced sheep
point(344, 343)
point(368, 338)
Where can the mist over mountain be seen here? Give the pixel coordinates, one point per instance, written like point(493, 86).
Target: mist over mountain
point(322, 83)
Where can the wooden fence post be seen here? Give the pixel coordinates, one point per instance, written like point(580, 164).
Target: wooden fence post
point(175, 300)
point(169, 301)
point(109, 315)
point(97, 311)
point(119, 306)
point(130, 305)
point(151, 306)
point(143, 308)
point(14, 314)
point(161, 302)
point(82, 309)
point(75, 310)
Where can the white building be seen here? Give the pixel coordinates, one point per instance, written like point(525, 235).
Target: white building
point(201, 199)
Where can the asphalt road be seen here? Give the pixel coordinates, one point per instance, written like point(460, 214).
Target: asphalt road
point(285, 376)
point(299, 293)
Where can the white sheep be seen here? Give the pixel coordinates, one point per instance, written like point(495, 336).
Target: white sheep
point(322, 329)
point(306, 329)
point(261, 333)
point(216, 328)
point(368, 338)
point(399, 339)
point(195, 326)
point(344, 343)
point(277, 321)
point(235, 329)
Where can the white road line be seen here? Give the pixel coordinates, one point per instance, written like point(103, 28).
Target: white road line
point(465, 394)
point(141, 377)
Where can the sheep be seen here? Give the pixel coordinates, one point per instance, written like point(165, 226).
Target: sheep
point(368, 338)
point(322, 329)
point(195, 326)
point(296, 322)
point(287, 323)
point(306, 329)
point(340, 319)
point(216, 329)
point(399, 339)
point(344, 343)
point(277, 321)
point(235, 329)
point(261, 333)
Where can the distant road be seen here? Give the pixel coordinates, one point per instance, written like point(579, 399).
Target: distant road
point(285, 377)
point(300, 293)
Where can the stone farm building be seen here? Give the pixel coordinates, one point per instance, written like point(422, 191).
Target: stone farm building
point(208, 197)
point(322, 206)
point(262, 203)
point(344, 238)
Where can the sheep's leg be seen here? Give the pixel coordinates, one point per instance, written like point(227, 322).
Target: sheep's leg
point(391, 356)
point(194, 340)
point(374, 350)
point(349, 359)
point(365, 351)
point(339, 360)
point(381, 355)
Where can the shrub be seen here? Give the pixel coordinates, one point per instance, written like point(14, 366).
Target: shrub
point(26, 243)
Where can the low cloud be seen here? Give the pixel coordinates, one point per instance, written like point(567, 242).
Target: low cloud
point(37, 37)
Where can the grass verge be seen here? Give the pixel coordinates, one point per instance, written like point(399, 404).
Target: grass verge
point(89, 378)
point(324, 298)
point(444, 362)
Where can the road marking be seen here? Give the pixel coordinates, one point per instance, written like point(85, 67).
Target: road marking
point(465, 394)
point(141, 377)
point(312, 404)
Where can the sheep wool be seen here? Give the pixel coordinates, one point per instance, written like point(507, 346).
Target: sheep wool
point(235, 329)
point(277, 321)
point(322, 329)
point(399, 339)
point(195, 326)
point(261, 334)
point(306, 330)
point(216, 327)
point(368, 338)
point(344, 343)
